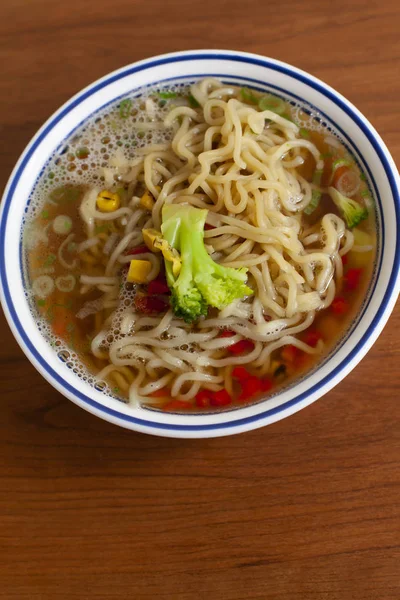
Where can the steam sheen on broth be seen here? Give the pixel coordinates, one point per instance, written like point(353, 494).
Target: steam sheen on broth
point(285, 201)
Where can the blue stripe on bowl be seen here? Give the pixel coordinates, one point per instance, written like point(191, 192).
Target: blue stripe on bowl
point(206, 56)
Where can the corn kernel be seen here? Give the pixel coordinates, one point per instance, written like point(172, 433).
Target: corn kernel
point(155, 242)
point(138, 271)
point(107, 201)
point(146, 201)
point(150, 237)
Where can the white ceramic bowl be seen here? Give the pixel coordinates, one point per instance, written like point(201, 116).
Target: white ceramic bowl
point(244, 69)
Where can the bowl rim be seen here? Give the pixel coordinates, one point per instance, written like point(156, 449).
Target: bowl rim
point(231, 425)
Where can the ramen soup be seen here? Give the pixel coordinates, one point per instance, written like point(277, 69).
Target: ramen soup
point(198, 247)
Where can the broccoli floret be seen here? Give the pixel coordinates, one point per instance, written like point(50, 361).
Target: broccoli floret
point(351, 210)
point(201, 282)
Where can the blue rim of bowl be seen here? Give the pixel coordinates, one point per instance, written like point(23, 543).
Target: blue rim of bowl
point(249, 59)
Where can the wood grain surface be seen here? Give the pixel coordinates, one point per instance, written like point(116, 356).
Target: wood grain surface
point(306, 509)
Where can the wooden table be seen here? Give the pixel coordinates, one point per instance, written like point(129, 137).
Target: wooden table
point(306, 509)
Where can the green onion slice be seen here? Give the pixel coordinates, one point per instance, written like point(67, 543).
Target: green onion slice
point(248, 96)
point(315, 198)
point(167, 95)
point(125, 108)
point(272, 103)
point(193, 102)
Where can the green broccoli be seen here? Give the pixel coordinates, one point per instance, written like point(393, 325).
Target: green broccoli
point(351, 210)
point(201, 282)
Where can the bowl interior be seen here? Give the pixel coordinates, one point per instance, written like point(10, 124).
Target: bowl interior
point(241, 69)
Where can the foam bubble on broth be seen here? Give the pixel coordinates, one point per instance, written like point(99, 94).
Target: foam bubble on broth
point(69, 356)
point(81, 158)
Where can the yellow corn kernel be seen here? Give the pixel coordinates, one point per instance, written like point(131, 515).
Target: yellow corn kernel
point(147, 201)
point(176, 266)
point(150, 237)
point(107, 201)
point(138, 271)
point(156, 243)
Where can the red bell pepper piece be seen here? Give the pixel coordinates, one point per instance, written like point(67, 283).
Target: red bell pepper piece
point(241, 373)
point(241, 347)
point(339, 306)
point(312, 338)
point(177, 405)
point(352, 279)
point(162, 393)
point(250, 387)
point(150, 304)
point(290, 353)
point(266, 384)
point(137, 250)
point(158, 287)
point(221, 398)
point(226, 333)
point(203, 398)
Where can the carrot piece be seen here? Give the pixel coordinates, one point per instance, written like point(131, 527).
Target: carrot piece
point(177, 405)
point(339, 306)
point(241, 347)
point(338, 173)
point(221, 398)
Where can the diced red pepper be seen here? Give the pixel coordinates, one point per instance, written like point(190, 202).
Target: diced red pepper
point(345, 259)
point(352, 279)
point(203, 398)
point(241, 347)
point(157, 287)
point(59, 328)
point(162, 393)
point(177, 405)
point(339, 306)
point(250, 388)
point(221, 398)
point(312, 338)
point(137, 250)
point(290, 353)
point(266, 384)
point(150, 304)
point(241, 373)
point(226, 333)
